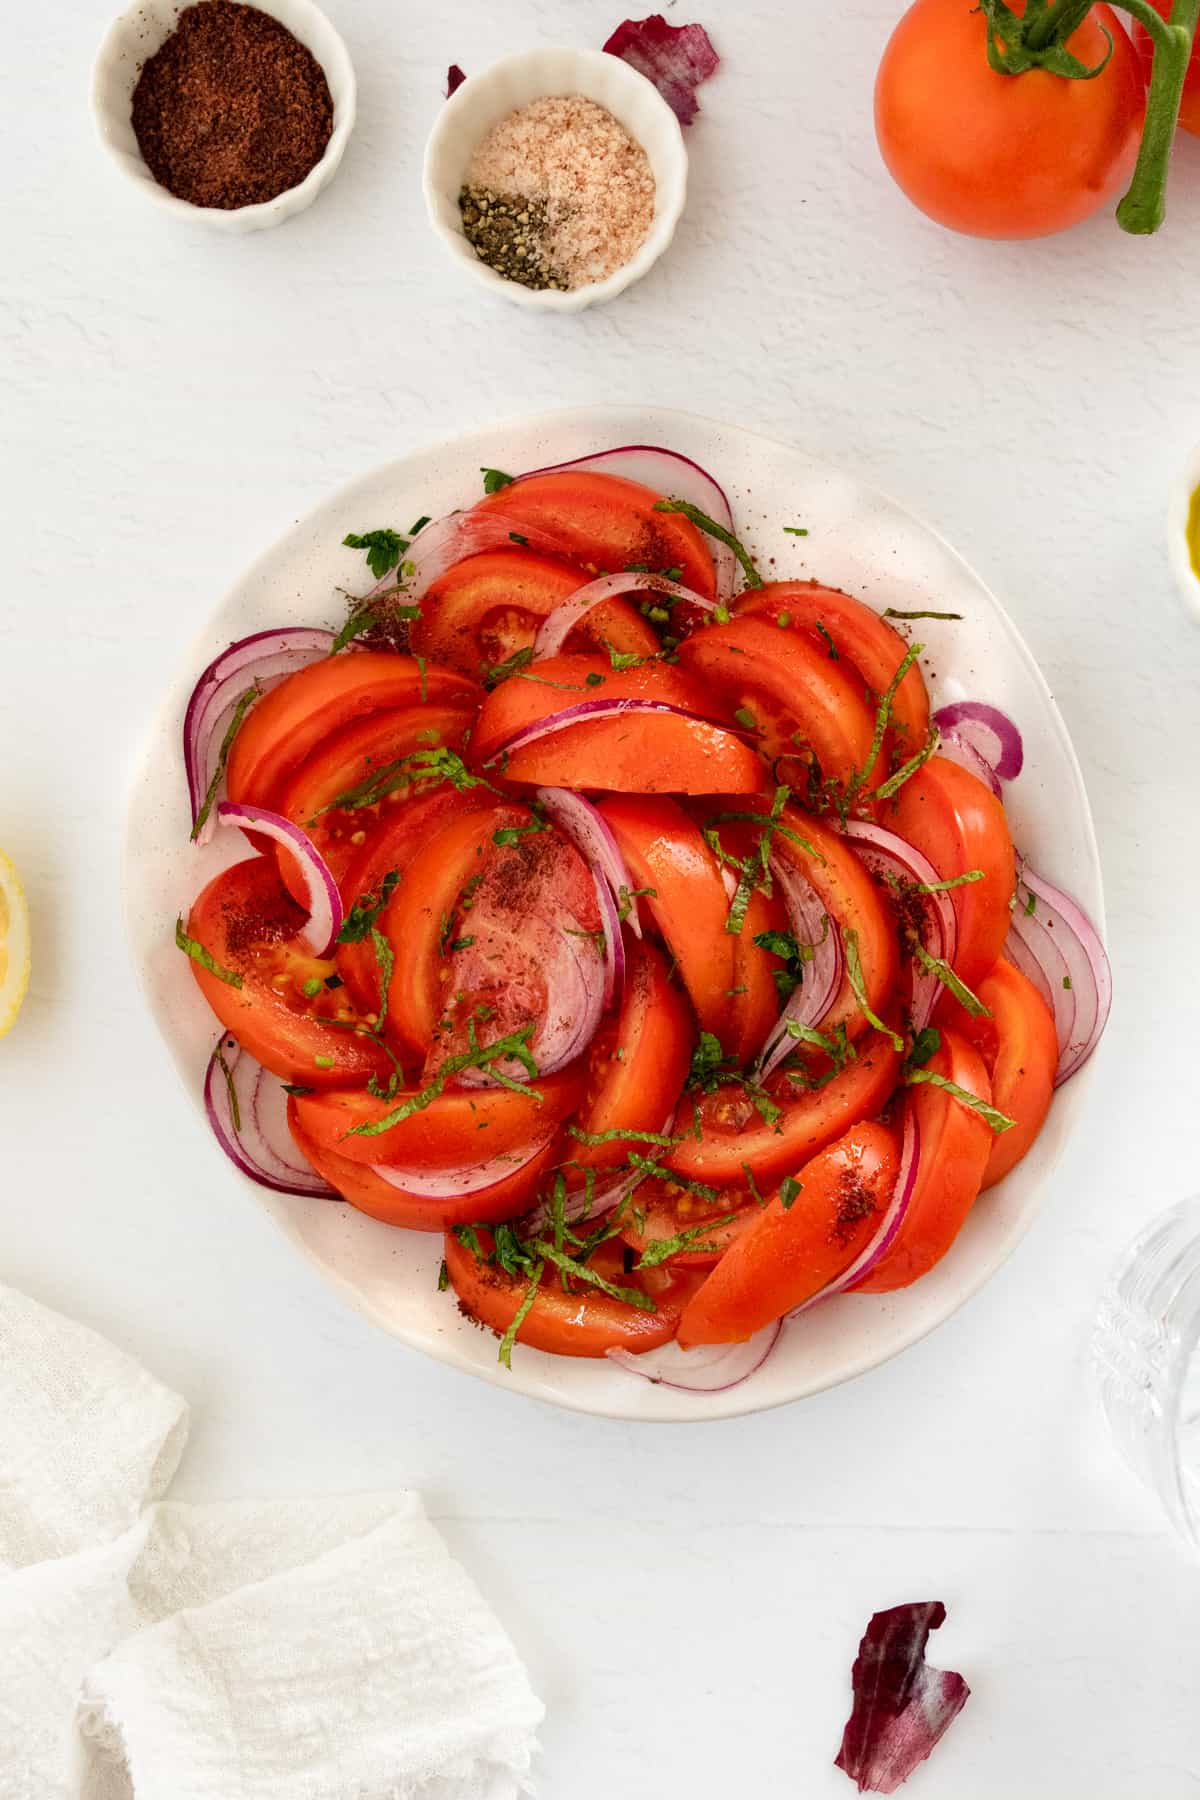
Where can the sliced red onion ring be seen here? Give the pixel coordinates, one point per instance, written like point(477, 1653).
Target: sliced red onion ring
point(678, 478)
point(807, 1004)
point(557, 628)
point(1062, 940)
point(575, 715)
point(448, 540)
point(592, 836)
point(708, 1369)
point(262, 660)
point(452, 1184)
point(885, 852)
point(324, 902)
point(889, 1225)
point(259, 1144)
point(990, 731)
point(958, 749)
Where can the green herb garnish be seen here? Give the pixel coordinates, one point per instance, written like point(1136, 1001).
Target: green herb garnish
point(854, 974)
point(386, 962)
point(720, 532)
point(360, 920)
point(192, 947)
point(936, 965)
point(659, 1249)
point(892, 612)
point(494, 480)
point(384, 548)
point(989, 1114)
point(789, 1187)
point(516, 1045)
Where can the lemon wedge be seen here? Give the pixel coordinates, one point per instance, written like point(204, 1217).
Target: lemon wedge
point(14, 944)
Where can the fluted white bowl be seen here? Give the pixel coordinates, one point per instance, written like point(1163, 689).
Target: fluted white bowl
point(141, 30)
point(483, 100)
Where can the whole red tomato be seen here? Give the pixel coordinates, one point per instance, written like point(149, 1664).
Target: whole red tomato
point(1189, 111)
point(1005, 156)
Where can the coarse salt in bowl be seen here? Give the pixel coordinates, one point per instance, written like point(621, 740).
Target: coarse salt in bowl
point(144, 28)
point(483, 100)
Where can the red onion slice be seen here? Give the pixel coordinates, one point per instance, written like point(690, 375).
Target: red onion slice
point(887, 853)
point(259, 1144)
point(592, 836)
point(678, 478)
point(889, 1225)
point(452, 1184)
point(1066, 945)
point(324, 902)
point(960, 750)
point(708, 1369)
point(558, 626)
point(989, 731)
point(807, 1004)
point(262, 660)
point(614, 943)
point(575, 979)
point(576, 715)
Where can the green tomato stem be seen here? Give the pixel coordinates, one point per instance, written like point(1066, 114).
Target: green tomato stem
point(1144, 207)
point(1057, 23)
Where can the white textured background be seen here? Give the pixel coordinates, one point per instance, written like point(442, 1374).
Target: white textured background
point(689, 1599)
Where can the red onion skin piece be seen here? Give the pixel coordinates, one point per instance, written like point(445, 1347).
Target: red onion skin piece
point(252, 1156)
point(319, 934)
point(675, 58)
point(989, 730)
point(454, 79)
point(708, 1369)
point(902, 1706)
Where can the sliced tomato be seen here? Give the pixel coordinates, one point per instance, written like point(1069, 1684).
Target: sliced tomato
point(284, 728)
point(665, 852)
point(524, 949)
point(607, 524)
point(734, 1137)
point(488, 607)
point(1019, 1046)
point(790, 1252)
point(808, 714)
point(406, 827)
point(960, 825)
point(581, 1322)
point(954, 1149)
point(421, 912)
point(349, 759)
point(662, 1210)
point(575, 678)
point(637, 1065)
point(754, 997)
point(458, 1129)
point(247, 922)
point(854, 905)
point(370, 1193)
point(848, 630)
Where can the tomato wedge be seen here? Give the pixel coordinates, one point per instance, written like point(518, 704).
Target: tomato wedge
point(1019, 1047)
point(285, 727)
point(661, 1210)
point(607, 523)
point(247, 922)
point(853, 904)
point(370, 1193)
point(664, 851)
point(808, 713)
point(734, 1137)
point(379, 863)
point(558, 683)
point(789, 1253)
point(458, 1129)
point(488, 607)
point(754, 1002)
point(581, 1322)
point(960, 825)
point(637, 1066)
point(955, 1146)
point(422, 909)
point(835, 621)
point(350, 760)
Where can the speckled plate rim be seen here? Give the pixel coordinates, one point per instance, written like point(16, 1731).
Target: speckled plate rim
point(859, 539)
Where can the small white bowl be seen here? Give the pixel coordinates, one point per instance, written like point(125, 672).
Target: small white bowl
point(483, 100)
point(142, 30)
point(1186, 578)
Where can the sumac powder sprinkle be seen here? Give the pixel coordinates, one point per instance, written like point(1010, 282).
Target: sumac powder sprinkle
point(232, 110)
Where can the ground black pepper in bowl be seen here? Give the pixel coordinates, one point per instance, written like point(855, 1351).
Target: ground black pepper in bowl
point(509, 234)
point(232, 110)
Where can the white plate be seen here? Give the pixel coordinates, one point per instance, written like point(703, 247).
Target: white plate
point(858, 540)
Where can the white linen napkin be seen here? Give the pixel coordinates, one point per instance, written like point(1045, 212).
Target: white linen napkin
point(326, 1649)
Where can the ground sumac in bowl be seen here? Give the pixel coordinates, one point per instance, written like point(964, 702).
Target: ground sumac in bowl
point(232, 109)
